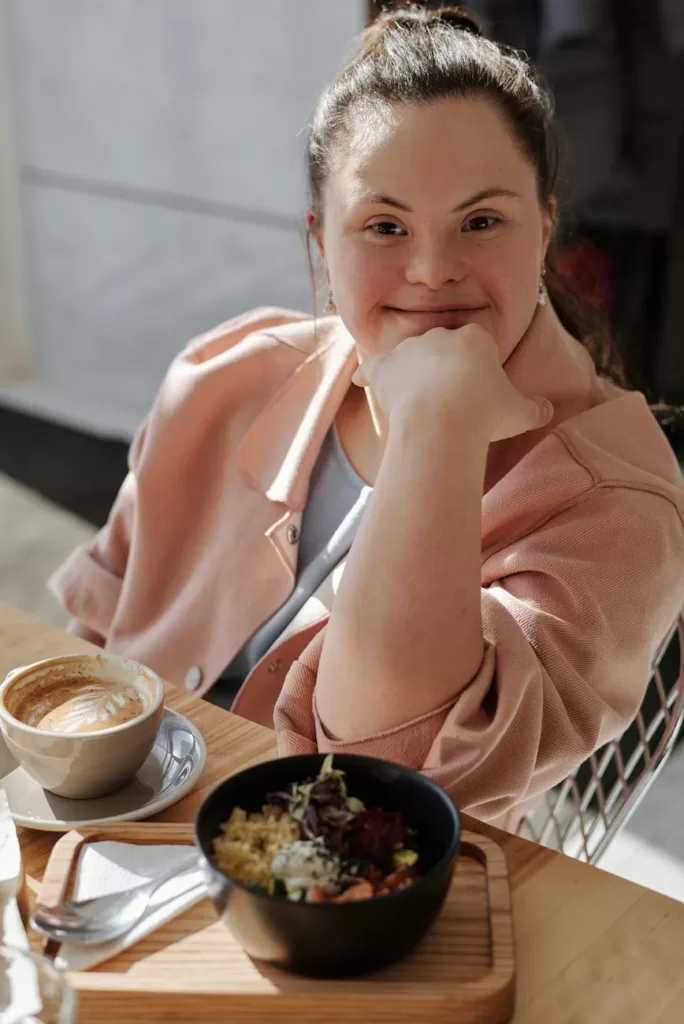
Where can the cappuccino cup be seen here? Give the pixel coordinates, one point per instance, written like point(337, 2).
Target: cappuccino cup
point(81, 725)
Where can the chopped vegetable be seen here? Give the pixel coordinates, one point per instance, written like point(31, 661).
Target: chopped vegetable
point(404, 858)
point(305, 863)
point(337, 849)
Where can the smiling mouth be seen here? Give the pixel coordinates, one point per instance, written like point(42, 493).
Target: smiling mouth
point(437, 309)
point(420, 319)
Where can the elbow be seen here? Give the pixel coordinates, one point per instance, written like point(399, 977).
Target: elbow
point(83, 632)
point(394, 695)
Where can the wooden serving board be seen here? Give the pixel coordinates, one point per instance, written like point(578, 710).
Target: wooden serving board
point(192, 970)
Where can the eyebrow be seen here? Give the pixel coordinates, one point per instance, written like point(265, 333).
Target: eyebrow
point(487, 193)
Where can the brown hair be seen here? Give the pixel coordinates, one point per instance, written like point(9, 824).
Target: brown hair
point(418, 55)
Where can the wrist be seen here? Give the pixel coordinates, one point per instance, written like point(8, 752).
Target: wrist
point(454, 421)
point(428, 446)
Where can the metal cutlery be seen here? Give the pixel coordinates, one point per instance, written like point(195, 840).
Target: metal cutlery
point(103, 918)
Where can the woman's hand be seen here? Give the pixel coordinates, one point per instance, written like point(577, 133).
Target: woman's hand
point(454, 371)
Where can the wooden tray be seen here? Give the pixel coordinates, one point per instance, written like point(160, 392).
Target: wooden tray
point(192, 969)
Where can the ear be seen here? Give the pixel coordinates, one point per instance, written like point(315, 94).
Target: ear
point(549, 213)
point(314, 230)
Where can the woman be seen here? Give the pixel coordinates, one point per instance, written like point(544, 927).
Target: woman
point(516, 517)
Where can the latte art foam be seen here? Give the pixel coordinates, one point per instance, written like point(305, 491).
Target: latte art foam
point(84, 707)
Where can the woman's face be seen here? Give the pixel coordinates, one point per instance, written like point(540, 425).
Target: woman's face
point(432, 219)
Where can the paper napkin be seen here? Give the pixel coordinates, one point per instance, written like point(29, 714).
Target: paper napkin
point(110, 866)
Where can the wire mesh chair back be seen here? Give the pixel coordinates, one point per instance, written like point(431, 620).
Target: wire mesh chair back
point(582, 815)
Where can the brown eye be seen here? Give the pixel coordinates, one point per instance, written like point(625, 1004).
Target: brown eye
point(480, 223)
point(386, 228)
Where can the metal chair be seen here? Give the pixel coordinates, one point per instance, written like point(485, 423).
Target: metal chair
point(582, 815)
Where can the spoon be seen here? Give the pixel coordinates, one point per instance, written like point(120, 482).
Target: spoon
point(103, 918)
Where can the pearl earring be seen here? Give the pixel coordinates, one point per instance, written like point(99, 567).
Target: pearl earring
point(543, 296)
point(330, 307)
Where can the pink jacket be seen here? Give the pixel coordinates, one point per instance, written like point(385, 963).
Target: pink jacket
point(582, 554)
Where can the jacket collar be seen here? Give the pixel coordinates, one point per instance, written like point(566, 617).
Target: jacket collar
point(280, 449)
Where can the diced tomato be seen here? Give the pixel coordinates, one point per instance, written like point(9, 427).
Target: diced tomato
point(362, 890)
point(316, 895)
point(397, 879)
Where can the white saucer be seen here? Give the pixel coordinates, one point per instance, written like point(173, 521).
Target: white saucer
point(173, 767)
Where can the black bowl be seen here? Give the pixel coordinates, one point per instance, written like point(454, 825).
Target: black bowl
point(335, 939)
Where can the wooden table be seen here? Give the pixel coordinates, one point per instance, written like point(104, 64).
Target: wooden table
point(591, 947)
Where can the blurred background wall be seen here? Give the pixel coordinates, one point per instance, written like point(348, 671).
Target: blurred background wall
point(159, 179)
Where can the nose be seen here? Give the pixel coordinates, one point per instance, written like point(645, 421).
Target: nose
point(433, 262)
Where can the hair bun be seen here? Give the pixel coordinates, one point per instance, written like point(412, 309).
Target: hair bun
point(457, 17)
point(411, 16)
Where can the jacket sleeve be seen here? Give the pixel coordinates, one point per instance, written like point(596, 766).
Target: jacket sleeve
point(573, 615)
point(90, 581)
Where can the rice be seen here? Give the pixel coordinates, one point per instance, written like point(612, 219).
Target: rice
point(250, 842)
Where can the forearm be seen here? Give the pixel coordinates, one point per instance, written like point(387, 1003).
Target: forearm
point(405, 634)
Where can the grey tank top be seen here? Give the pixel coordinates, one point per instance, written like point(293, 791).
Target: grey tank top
point(337, 499)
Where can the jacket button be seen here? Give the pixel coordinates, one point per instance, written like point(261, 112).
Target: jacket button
point(193, 678)
point(292, 533)
point(274, 665)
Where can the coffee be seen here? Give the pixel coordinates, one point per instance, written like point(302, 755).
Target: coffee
point(81, 725)
point(77, 706)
